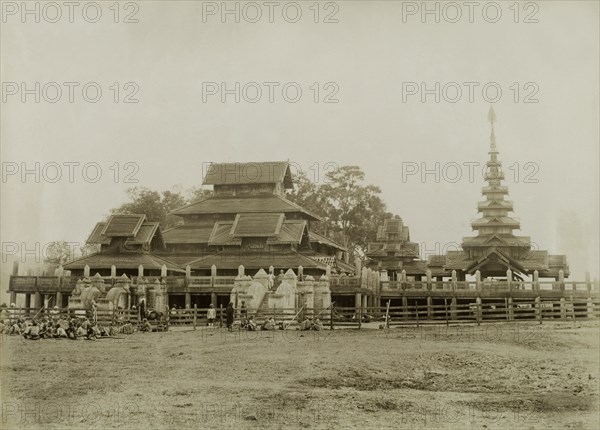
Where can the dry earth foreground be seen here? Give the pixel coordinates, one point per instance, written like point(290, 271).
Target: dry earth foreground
point(519, 375)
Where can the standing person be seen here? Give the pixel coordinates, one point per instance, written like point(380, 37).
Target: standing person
point(211, 315)
point(230, 313)
point(142, 309)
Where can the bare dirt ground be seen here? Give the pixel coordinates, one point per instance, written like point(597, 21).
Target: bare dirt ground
point(519, 375)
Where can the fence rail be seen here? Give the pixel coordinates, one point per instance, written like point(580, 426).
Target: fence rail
point(411, 313)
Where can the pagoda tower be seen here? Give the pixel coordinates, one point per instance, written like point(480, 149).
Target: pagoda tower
point(495, 248)
point(495, 221)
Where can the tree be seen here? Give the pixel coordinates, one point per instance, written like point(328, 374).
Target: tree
point(196, 193)
point(58, 253)
point(356, 210)
point(307, 194)
point(351, 210)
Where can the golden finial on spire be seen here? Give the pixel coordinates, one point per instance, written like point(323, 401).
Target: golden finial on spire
point(492, 115)
point(491, 119)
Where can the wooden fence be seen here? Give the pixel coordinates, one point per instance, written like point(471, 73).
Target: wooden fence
point(412, 313)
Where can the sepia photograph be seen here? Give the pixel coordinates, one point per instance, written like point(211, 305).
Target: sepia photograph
point(311, 214)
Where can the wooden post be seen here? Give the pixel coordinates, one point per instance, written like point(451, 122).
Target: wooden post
point(27, 303)
point(446, 311)
point(506, 307)
point(453, 308)
point(429, 308)
point(588, 282)
point(404, 308)
point(331, 316)
point(563, 309)
point(359, 317)
point(357, 303)
point(195, 314)
point(538, 309)
point(387, 315)
point(221, 315)
point(417, 312)
point(454, 277)
point(479, 312)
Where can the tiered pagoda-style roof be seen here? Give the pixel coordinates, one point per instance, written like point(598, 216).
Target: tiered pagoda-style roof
point(126, 242)
point(393, 251)
point(496, 248)
point(249, 219)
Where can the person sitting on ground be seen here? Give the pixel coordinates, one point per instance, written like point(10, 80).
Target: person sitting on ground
point(72, 329)
point(145, 326)
point(251, 324)
point(305, 325)
point(269, 324)
point(90, 334)
point(127, 328)
point(97, 331)
point(16, 329)
point(81, 331)
point(316, 325)
point(60, 332)
point(32, 332)
point(112, 330)
point(45, 329)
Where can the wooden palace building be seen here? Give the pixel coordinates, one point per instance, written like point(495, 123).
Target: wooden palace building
point(246, 221)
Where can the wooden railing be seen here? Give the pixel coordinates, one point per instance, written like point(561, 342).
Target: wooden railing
point(49, 284)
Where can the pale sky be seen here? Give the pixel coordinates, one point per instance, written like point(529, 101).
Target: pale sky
point(369, 55)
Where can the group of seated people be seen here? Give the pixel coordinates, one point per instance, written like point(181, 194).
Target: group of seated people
point(67, 328)
point(270, 324)
point(44, 328)
point(311, 324)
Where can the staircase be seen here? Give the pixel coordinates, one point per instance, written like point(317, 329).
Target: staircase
point(263, 310)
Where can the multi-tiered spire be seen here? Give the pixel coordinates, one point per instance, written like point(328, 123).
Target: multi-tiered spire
point(494, 209)
point(495, 249)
